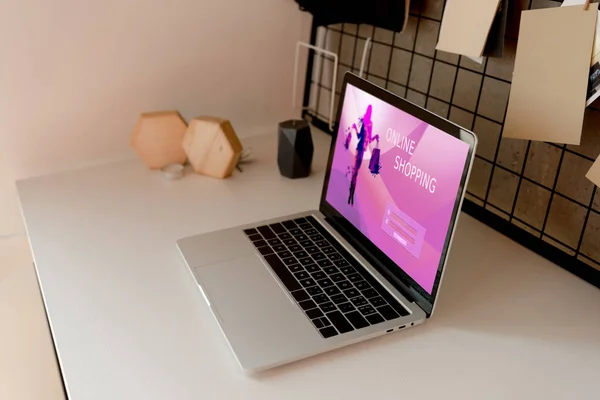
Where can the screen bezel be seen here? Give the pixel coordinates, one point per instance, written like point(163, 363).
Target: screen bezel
point(397, 277)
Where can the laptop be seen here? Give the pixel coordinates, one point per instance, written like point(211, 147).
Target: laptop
point(368, 263)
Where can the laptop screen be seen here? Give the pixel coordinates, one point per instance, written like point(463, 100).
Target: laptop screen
point(396, 179)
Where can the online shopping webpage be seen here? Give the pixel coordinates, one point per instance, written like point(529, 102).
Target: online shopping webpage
point(396, 178)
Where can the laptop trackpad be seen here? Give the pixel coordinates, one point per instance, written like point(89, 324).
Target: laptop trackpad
point(262, 324)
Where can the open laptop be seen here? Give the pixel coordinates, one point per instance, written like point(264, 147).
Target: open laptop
point(369, 262)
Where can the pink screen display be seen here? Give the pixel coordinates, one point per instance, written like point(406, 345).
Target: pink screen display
point(396, 178)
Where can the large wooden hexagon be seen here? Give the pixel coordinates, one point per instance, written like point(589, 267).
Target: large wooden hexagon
point(157, 138)
point(212, 146)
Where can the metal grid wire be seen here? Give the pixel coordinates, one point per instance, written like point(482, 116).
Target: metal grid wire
point(534, 192)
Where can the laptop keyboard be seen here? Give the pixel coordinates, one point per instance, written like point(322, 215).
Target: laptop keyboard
point(335, 292)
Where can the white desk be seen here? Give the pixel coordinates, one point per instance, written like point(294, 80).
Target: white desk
point(129, 322)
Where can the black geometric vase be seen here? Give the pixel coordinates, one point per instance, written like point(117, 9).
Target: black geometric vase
point(295, 150)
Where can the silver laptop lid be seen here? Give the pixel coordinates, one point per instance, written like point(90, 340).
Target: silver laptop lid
point(394, 184)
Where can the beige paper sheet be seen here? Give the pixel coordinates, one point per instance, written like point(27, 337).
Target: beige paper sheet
point(549, 86)
point(465, 26)
point(594, 173)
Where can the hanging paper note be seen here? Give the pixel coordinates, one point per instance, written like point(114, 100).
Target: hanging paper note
point(594, 173)
point(548, 94)
point(466, 25)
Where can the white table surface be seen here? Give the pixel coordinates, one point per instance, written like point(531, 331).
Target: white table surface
point(129, 322)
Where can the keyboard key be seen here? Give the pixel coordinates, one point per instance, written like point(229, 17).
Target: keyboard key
point(325, 321)
point(322, 243)
point(319, 275)
point(295, 248)
point(337, 277)
point(317, 322)
point(307, 282)
point(338, 298)
point(300, 221)
point(290, 261)
point(375, 319)
point(279, 248)
point(300, 295)
point(311, 220)
point(341, 263)
point(301, 237)
point(310, 232)
point(277, 228)
point(319, 256)
point(260, 243)
point(274, 242)
point(312, 249)
point(366, 310)
point(254, 238)
point(304, 226)
point(378, 301)
point(346, 307)
point(344, 285)
point(357, 301)
point(284, 254)
point(266, 232)
point(250, 231)
point(266, 250)
point(325, 283)
point(314, 290)
point(362, 285)
point(313, 268)
point(301, 254)
point(340, 323)
point(324, 263)
point(289, 242)
point(351, 293)
point(328, 332)
point(370, 292)
point(282, 272)
point(296, 268)
point(289, 224)
point(400, 310)
point(348, 270)
point(302, 275)
point(295, 231)
point(314, 313)
point(306, 243)
point(316, 238)
point(354, 278)
point(320, 298)
point(328, 250)
point(307, 304)
point(284, 236)
point(332, 290)
point(331, 270)
point(335, 256)
point(306, 261)
point(387, 312)
point(357, 320)
point(327, 307)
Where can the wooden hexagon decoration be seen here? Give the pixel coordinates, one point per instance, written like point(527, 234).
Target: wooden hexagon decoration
point(212, 146)
point(157, 138)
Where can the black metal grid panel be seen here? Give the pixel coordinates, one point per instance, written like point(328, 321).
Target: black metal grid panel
point(534, 192)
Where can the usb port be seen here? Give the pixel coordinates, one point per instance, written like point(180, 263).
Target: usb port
point(389, 330)
point(403, 326)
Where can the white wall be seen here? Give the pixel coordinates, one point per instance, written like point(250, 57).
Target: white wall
point(74, 75)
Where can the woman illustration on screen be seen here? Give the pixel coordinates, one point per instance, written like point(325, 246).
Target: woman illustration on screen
point(364, 136)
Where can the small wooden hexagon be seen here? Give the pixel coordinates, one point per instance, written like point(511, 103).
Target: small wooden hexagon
point(157, 138)
point(212, 146)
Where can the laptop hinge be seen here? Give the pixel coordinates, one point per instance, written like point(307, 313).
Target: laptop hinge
point(397, 283)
